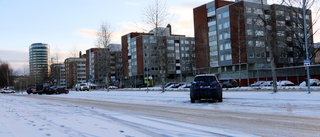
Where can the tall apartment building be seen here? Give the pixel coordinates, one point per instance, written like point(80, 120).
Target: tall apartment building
point(96, 62)
point(39, 61)
point(140, 54)
point(228, 34)
point(75, 70)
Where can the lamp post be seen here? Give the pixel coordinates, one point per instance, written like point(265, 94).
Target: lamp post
point(306, 43)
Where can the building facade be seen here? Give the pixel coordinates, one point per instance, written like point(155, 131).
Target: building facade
point(57, 74)
point(39, 61)
point(97, 65)
point(75, 71)
point(235, 38)
point(141, 55)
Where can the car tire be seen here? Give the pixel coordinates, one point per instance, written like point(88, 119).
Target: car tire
point(29, 93)
point(220, 99)
point(192, 100)
point(67, 92)
point(40, 93)
point(224, 86)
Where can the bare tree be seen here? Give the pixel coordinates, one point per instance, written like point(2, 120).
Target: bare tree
point(104, 37)
point(156, 15)
point(74, 51)
point(270, 41)
point(313, 9)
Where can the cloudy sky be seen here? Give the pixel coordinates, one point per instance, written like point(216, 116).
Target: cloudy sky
point(69, 25)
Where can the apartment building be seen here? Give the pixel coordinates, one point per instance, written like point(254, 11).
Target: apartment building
point(57, 74)
point(96, 60)
point(75, 70)
point(141, 55)
point(232, 37)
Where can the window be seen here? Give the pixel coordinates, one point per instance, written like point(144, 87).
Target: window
point(221, 57)
point(249, 32)
point(170, 41)
point(211, 9)
point(228, 57)
point(250, 43)
point(219, 16)
point(220, 37)
point(220, 26)
point(226, 25)
point(281, 23)
point(251, 55)
point(259, 33)
point(259, 22)
point(212, 28)
point(280, 33)
point(257, 11)
point(259, 43)
point(248, 10)
point(225, 14)
point(221, 47)
point(170, 48)
point(227, 46)
point(226, 35)
point(249, 21)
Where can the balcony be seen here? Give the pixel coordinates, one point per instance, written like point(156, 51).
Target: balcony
point(212, 13)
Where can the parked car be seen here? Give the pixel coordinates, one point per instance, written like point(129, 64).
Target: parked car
point(228, 83)
point(285, 83)
point(313, 82)
point(205, 86)
point(113, 87)
point(176, 85)
point(8, 90)
point(185, 86)
point(57, 90)
point(170, 83)
point(257, 83)
point(42, 88)
point(31, 90)
point(267, 83)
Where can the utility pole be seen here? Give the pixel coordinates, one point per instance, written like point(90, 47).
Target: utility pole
point(306, 43)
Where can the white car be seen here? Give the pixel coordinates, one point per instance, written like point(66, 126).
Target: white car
point(7, 90)
point(267, 83)
point(313, 82)
point(285, 83)
point(257, 83)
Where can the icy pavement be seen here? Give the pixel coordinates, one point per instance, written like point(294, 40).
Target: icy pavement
point(27, 117)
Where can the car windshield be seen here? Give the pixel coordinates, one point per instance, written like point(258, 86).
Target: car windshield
point(82, 84)
point(206, 78)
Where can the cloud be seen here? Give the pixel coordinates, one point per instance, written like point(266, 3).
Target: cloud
point(16, 59)
point(131, 3)
point(87, 33)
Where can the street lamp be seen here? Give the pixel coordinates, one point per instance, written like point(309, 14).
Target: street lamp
point(306, 43)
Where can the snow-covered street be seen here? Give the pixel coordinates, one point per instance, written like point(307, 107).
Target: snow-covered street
point(140, 113)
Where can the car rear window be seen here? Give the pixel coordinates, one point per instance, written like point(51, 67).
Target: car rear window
point(206, 78)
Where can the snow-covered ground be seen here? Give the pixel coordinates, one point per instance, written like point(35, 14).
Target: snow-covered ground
point(21, 116)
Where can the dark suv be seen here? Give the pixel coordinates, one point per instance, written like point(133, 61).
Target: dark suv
point(228, 83)
point(205, 86)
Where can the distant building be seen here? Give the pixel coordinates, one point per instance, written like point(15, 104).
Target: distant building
point(39, 61)
point(57, 74)
point(140, 54)
point(96, 62)
point(75, 70)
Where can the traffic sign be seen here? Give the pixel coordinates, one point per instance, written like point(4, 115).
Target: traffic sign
point(306, 62)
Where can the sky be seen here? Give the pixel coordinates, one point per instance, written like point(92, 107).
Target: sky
point(71, 25)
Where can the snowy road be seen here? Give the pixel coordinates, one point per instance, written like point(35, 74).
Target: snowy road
point(154, 114)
